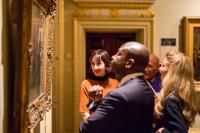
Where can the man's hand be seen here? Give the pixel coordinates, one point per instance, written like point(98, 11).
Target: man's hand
point(95, 93)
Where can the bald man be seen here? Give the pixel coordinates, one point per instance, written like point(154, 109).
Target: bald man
point(129, 108)
point(152, 74)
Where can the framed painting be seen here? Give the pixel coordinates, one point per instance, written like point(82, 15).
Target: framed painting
point(30, 32)
point(40, 60)
point(191, 27)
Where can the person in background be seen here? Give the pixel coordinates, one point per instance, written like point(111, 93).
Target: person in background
point(177, 106)
point(92, 90)
point(130, 107)
point(152, 73)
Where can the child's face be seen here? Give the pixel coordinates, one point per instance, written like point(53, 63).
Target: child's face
point(98, 66)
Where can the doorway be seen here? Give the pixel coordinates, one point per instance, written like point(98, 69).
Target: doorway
point(141, 27)
point(108, 41)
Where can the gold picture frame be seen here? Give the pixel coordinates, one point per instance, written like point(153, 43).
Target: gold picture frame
point(40, 61)
point(29, 56)
point(191, 41)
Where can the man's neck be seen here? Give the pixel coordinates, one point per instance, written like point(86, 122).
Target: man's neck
point(129, 76)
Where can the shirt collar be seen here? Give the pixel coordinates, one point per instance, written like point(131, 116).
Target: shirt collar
point(128, 77)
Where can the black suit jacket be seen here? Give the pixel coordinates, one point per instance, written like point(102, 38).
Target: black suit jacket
point(127, 109)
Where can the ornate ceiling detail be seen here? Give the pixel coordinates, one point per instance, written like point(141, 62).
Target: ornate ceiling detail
point(113, 8)
point(113, 13)
point(123, 4)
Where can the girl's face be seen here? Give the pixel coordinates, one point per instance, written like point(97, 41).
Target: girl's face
point(164, 68)
point(98, 66)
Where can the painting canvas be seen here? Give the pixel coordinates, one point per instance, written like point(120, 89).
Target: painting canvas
point(191, 41)
point(36, 47)
point(196, 53)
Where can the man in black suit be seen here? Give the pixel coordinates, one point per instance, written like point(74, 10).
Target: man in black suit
point(129, 108)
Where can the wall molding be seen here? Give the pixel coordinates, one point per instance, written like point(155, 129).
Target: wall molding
point(142, 26)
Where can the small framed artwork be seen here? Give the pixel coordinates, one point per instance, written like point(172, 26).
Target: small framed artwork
point(168, 42)
point(191, 41)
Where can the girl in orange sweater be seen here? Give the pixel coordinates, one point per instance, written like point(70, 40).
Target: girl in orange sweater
point(92, 90)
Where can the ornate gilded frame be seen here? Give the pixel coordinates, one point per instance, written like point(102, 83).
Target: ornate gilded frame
point(189, 24)
point(38, 107)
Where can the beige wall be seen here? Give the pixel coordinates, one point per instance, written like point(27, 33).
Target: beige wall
point(46, 123)
point(168, 15)
point(1, 74)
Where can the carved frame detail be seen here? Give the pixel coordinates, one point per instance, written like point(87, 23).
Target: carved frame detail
point(189, 23)
point(127, 4)
point(39, 106)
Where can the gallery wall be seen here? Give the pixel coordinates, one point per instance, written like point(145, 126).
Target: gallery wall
point(168, 15)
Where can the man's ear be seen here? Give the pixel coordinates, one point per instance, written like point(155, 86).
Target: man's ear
point(129, 63)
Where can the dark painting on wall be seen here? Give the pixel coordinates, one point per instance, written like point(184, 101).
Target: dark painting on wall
point(36, 43)
point(196, 53)
point(168, 42)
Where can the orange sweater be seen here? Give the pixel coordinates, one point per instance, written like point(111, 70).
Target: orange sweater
point(108, 85)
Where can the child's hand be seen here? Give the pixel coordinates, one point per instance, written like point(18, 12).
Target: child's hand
point(95, 93)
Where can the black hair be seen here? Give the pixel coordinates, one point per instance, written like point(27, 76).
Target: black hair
point(102, 55)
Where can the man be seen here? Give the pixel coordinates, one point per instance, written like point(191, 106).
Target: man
point(152, 74)
point(129, 108)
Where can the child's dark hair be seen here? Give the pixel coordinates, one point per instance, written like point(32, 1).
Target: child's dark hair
point(102, 55)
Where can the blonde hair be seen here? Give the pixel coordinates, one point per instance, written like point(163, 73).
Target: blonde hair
point(179, 79)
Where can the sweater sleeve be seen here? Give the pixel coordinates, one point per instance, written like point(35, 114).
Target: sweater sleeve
point(84, 99)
